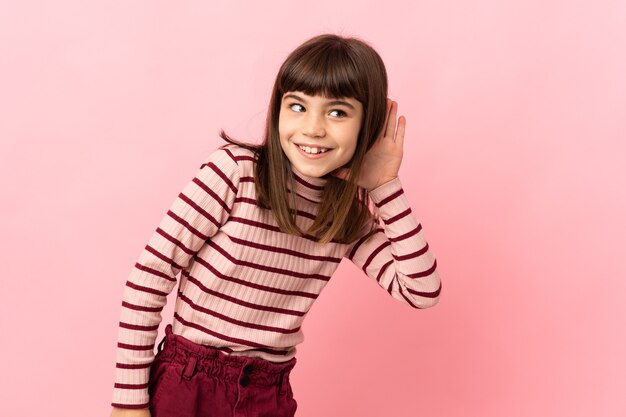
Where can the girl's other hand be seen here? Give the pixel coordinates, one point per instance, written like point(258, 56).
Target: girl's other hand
point(382, 162)
point(129, 412)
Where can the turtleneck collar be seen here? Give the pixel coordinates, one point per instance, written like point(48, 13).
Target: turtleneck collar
point(309, 188)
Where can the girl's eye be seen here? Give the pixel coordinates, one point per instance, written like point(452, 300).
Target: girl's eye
point(341, 113)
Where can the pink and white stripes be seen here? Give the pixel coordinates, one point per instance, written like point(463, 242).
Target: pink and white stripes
point(245, 287)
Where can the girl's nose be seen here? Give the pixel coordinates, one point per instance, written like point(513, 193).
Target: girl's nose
point(314, 126)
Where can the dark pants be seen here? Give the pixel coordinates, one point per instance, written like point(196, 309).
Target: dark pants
point(188, 379)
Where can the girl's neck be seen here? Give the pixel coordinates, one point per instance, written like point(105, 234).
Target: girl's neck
point(310, 188)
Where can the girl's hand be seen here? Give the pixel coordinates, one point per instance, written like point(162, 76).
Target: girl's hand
point(382, 162)
point(129, 412)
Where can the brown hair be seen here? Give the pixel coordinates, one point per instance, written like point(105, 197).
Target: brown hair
point(331, 66)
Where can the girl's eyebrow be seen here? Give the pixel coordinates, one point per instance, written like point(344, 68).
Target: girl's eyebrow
point(330, 103)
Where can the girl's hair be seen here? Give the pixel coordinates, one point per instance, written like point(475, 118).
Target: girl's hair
point(331, 66)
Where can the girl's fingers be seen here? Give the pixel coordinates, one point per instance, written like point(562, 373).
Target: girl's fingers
point(400, 132)
point(384, 131)
point(391, 124)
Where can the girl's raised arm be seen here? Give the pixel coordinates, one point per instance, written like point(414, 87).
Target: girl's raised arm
point(397, 256)
point(196, 215)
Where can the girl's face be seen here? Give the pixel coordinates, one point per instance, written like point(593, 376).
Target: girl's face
point(330, 124)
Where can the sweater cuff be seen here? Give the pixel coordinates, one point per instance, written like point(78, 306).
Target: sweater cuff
point(390, 200)
point(383, 191)
point(133, 393)
point(131, 406)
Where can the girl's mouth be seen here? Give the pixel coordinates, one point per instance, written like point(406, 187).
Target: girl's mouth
point(312, 155)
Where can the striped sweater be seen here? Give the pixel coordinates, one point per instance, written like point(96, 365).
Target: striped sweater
point(245, 287)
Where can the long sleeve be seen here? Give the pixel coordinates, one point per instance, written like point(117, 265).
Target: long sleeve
point(397, 256)
point(196, 215)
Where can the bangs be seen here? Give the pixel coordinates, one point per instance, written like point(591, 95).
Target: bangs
point(327, 71)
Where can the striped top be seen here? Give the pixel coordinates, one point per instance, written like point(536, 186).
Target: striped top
point(245, 287)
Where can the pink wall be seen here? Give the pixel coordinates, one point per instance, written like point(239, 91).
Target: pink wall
point(514, 163)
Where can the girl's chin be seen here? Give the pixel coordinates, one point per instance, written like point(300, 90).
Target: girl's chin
point(311, 173)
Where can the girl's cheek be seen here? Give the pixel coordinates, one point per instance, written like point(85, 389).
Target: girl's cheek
point(285, 127)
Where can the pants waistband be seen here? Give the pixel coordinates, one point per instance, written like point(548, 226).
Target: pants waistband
point(236, 368)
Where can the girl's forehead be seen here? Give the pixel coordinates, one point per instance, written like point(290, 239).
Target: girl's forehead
point(317, 96)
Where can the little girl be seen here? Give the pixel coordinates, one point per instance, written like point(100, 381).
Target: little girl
point(257, 235)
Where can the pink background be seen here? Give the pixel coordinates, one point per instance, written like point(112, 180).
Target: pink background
point(514, 162)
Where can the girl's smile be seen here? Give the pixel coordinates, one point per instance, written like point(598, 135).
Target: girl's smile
point(318, 134)
point(313, 151)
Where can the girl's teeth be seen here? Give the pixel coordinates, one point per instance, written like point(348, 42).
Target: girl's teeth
point(313, 150)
